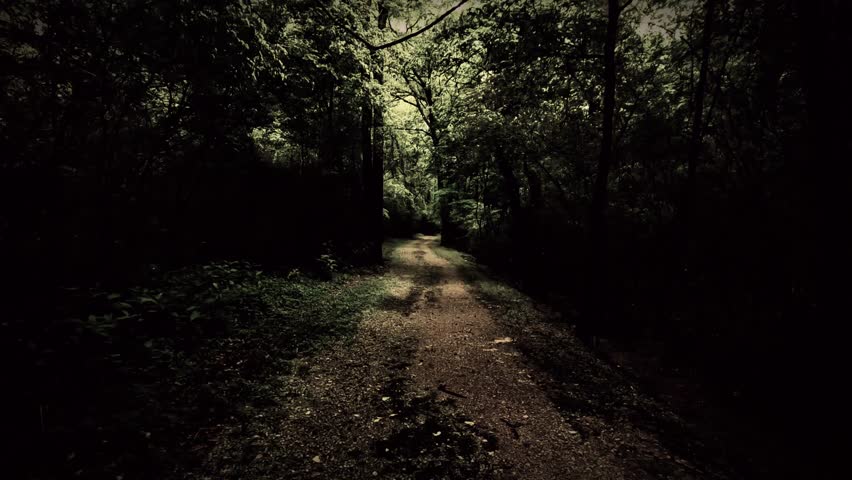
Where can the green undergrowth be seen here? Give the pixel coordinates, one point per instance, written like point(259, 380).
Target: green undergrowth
point(489, 291)
point(126, 376)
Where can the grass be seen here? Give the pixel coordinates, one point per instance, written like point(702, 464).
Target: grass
point(492, 292)
point(125, 377)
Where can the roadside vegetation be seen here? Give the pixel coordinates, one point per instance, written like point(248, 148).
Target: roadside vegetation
point(125, 378)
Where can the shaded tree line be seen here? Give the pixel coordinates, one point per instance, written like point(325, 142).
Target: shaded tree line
point(159, 133)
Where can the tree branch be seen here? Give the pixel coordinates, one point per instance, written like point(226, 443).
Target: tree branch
point(421, 130)
point(404, 100)
point(418, 32)
point(374, 48)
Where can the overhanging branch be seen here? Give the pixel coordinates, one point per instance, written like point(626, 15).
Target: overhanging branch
point(375, 48)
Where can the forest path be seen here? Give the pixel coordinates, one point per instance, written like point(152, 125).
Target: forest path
point(464, 355)
point(448, 380)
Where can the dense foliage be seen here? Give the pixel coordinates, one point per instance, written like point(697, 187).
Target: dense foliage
point(139, 133)
point(662, 171)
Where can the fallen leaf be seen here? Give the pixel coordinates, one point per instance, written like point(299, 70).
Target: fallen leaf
point(385, 399)
point(317, 459)
point(470, 423)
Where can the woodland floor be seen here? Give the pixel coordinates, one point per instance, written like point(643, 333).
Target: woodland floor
point(454, 375)
point(427, 368)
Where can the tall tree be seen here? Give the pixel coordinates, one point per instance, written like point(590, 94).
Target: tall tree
point(695, 141)
point(597, 216)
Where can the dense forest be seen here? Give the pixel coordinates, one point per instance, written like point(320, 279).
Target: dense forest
point(666, 176)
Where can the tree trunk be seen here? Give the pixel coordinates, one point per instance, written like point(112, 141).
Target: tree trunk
point(447, 231)
point(695, 141)
point(378, 168)
point(596, 316)
point(373, 155)
point(597, 223)
point(510, 182)
point(367, 167)
point(377, 179)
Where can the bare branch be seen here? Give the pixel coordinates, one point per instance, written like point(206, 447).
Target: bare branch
point(404, 100)
point(624, 7)
point(418, 32)
point(374, 48)
point(420, 130)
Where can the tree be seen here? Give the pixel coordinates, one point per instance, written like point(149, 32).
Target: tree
point(597, 216)
point(695, 141)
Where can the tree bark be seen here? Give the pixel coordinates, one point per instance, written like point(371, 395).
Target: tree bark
point(597, 269)
point(447, 231)
point(696, 136)
point(597, 217)
point(375, 175)
point(367, 172)
point(511, 185)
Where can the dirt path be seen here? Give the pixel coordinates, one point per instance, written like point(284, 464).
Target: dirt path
point(464, 354)
point(440, 384)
